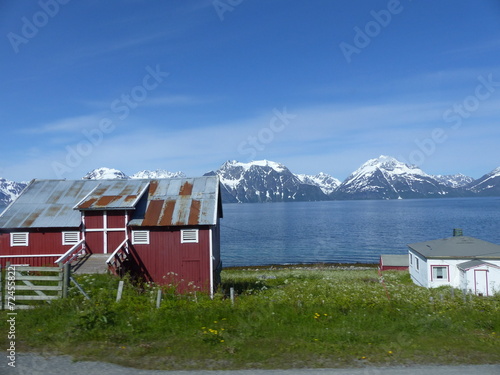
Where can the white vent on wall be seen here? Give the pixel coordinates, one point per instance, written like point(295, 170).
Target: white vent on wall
point(140, 237)
point(70, 238)
point(19, 239)
point(189, 236)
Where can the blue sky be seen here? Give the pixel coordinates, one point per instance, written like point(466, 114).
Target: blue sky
point(317, 85)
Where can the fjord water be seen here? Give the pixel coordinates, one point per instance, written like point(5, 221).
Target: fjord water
point(348, 231)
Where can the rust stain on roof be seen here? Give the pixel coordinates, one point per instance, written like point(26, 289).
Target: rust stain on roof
point(106, 200)
point(31, 219)
point(186, 189)
point(168, 213)
point(153, 213)
point(130, 198)
point(88, 203)
point(153, 186)
point(194, 212)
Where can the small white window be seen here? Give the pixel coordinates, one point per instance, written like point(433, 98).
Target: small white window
point(70, 238)
point(19, 239)
point(189, 236)
point(417, 265)
point(140, 237)
point(440, 273)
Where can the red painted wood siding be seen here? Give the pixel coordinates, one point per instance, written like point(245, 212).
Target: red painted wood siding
point(94, 220)
point(168, 261)
point(39, 242)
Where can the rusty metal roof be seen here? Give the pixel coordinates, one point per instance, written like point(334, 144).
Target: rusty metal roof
point(46, 204)
point(159, 202)
point(114, 195)
point(180, 202)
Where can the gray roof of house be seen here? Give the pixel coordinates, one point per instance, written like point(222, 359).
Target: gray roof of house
point(394, 260)
point(157, 202)
point(457, 247)
point(474, 263)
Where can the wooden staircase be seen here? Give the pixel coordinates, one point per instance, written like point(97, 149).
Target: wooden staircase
point(91, 263)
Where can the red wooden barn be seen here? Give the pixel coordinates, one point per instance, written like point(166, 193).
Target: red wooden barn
point(164, 230)
point(393, 262)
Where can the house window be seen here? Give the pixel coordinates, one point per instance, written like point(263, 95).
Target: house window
point(411, 260)
point(70, 238)
point(439, 273)
point(140, 237)
point(417, 265)
point(19, 239)
point(189, 236)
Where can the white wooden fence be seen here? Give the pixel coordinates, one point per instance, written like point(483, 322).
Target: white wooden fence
point(23, 287)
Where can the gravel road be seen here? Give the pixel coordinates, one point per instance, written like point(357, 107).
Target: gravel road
point(33, 364)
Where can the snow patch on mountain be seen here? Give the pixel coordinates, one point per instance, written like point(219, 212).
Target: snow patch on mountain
point(104, 173)
point(159, 173)
point(454, 180)
point(325, 182)
point(10, 190)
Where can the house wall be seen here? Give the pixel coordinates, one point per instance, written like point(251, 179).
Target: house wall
point(419, 269)
point(454, 275)
point(168, 261)
point(470, 280)
point(40, 242)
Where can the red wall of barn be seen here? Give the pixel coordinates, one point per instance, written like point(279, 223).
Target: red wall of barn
point(168, 261)
point(39, 242)
point(95, 239)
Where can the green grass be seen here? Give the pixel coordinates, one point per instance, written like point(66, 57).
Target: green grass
point(281, 318)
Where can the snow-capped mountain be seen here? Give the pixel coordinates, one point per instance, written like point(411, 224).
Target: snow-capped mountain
point(488, 185)
point(113, 174)
point(263, 181)
point(388, 178)
point(159, 173)
point(326, 183)
point(105, 174)
point(10, 190)
point(454, 180)
point(267, 181)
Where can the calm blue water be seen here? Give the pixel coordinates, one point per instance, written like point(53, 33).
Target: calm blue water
point(348, 231)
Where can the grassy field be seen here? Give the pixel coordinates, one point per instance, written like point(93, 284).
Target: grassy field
point(281, 318)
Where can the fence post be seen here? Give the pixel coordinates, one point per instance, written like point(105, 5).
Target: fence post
point(231, 295)
point(120, 291)
point(66, 279)
point(158, 299)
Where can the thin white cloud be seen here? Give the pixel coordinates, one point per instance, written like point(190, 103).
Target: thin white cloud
point(65, 125)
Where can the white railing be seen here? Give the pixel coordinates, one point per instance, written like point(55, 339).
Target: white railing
point(118, 256)
point(72, 253)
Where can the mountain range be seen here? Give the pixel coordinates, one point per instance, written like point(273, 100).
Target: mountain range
point(267, 181)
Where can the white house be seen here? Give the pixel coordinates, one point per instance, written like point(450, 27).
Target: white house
point(467, 263)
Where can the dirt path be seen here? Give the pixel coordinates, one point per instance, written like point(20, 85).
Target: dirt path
point(33, 364)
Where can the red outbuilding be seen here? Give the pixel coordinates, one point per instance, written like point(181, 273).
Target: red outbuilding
point(165, 231)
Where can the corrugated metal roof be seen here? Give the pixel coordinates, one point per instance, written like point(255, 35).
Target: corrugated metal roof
point(47, 203)
point(159, 202)
point(457, 247)
point(180, 202)
point(114, 195)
